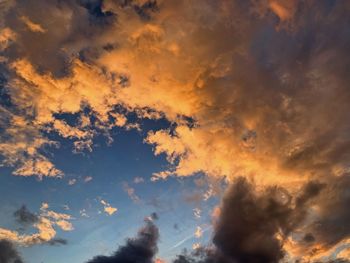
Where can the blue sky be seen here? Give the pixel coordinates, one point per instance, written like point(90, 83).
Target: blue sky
point(110, 166)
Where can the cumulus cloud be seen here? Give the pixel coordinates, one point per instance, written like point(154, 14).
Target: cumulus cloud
point(257, 225)
point(251, 88)
point(247, 94)
point(8, 253)
point(141, 249)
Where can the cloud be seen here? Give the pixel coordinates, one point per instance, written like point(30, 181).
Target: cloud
point(256, 224)
point(58, 241)
point(108, 208)
point(32, 26)
point(240, 104)
point(44, 222)
point(72, 181)
point(257, 89)
point(83, 213)
point(24, 216)
point(87, 179)
point(131, 193)
point(138, 180)
point(8, 253)
point(199, 232)
point(197, 212)
point(141, 249)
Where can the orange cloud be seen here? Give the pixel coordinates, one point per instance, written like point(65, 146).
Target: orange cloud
point(45, 226)
point(34, 27)
point(108, 208)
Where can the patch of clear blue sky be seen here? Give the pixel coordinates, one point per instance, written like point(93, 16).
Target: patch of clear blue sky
point(109, 166)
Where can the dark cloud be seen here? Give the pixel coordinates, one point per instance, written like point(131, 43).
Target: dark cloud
point(339, 260)
point(57, 241)
point(8, 253)
point(251, 220)
point(141, 249)
point(146, 9)
point(201, 255)
point(332, 225)
point(24, 216)
point(288, 79)
point(247, 228)
point(154, 216)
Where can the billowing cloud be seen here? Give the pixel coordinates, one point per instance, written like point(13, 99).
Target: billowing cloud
point(141, 249)
point(257, 89)
point(246, 97)
point(258, 225)
point(8, 253)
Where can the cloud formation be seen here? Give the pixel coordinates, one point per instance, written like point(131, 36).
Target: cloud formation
point(247, 94)
point(141, 249)
point(8, 253)
point(45, 223)
point(257, 89)
point(258, 225)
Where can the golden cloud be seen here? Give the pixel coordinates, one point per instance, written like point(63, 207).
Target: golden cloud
point(45, 226)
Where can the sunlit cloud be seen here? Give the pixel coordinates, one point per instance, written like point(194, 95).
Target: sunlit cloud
point(45, 223)
point(255, 90)
point(32, 26)
point(108, 209)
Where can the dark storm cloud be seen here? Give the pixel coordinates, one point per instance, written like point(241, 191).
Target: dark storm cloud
point(250, 221)
point(8, 253)
point(24, 216)
point(141, 249)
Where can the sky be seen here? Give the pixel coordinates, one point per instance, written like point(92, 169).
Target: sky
point(163, 131)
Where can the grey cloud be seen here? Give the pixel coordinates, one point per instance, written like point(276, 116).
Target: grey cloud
point(141, 249)
point(8, 253)
point(250, 221)
point(57, 241)
point(24, 216)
